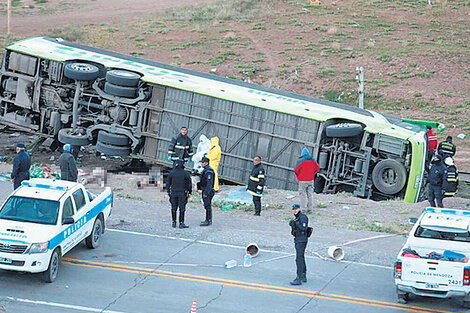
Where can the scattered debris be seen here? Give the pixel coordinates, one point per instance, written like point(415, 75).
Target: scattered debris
point(461, 136)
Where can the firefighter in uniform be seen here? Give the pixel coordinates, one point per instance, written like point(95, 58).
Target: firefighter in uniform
point(179, 187)
point(256, 183)
point(452, 177)
point(181, 147)
point(207, 187)
point(299, 228)
point(437, 181)
point(21, 165)
point(447, 148)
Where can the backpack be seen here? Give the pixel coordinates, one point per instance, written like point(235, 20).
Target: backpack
point(309, 231)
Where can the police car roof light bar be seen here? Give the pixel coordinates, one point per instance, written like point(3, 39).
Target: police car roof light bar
point(448, 211)
point(29, 184)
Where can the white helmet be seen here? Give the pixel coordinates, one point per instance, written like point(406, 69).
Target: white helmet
point(448, 161)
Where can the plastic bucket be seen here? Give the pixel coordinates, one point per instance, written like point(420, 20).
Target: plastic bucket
point(336, 253)
point(252, 249)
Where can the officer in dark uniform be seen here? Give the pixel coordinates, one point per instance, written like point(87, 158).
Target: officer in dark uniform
point(207, 187)
point(452, 177)
point(179, 188)
point(21, 165)
point(447, 148)
point(68, 167)
point(437, 180)
point(299, 228)
point(181, 147)
point(256, 183)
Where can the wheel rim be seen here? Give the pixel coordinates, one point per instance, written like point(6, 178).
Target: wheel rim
point(97, 232)
point(54, 265)
point(82, 67)
point(389, 177)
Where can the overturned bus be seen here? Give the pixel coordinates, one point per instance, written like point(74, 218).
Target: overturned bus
point(131, 106)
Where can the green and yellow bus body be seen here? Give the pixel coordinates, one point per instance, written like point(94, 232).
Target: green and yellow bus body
point(125, 105)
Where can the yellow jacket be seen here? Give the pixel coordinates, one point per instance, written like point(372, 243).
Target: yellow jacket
point(214, 154)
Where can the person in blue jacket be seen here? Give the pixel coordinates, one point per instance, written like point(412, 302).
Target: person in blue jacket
point(437, 180)
point(21, 166)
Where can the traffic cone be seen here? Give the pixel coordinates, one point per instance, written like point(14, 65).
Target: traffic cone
point(193, 307)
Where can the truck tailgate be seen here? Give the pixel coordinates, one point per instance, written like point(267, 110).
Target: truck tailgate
point(433, 271)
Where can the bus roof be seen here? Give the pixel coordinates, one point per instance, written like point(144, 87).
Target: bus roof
point(212, 85)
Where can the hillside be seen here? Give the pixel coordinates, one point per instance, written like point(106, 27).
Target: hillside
point(415, 56)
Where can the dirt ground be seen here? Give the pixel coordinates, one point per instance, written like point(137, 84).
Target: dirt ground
point(34, 18)
point(415, 56)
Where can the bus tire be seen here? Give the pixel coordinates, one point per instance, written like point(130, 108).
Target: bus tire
point(112, 150)
point(94, 239)
point(81, 71)
point(389, 176)
point(113, 139)
point(67, 135)
point(120, 91)
point(50, 274)
point(123, 78)
point(341, 130)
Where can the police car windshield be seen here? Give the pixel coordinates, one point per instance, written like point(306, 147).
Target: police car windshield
point(423, 232)
point(30, 210)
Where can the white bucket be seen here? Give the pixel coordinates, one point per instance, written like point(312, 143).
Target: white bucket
point(253, 249)
point(336, 253)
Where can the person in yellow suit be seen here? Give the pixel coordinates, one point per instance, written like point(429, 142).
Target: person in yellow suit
point(214, 154)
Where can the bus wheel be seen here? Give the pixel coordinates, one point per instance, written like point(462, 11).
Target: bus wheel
point(77, 138)
point(81, 71)
point(389, 176)
point(343, 130)
point(123, 78)
point(120, 91)
point(112, 149)
point(113, 139)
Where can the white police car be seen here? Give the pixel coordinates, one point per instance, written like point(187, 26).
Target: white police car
point(44, 219)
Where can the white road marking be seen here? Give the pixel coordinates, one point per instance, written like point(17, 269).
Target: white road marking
point(62, 305)
point(317, 256)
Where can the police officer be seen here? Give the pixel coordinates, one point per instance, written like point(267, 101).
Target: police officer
point(437, 180)
point(179, 188)
point(256, 183)
point(68, 167)
point(452, 177)
point(207, 187)
point(299, 228)
point(447, 148)
point(21, 165)
point(181, 147)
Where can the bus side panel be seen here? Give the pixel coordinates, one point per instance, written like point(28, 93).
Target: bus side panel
point(243, 130)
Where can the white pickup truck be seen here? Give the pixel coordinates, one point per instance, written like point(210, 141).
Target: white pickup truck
point(434, 260)
point(44, 219)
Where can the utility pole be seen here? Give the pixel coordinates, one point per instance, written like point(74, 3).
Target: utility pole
point(360, 91)
point(8, 16)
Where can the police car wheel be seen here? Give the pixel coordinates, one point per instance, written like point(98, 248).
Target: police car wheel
point(93, 241)
point(50, 275)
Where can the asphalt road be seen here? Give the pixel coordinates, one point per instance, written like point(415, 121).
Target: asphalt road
point(133, 272)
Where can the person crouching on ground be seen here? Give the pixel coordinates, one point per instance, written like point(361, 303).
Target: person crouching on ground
point(305, 171)
point(299, 228)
